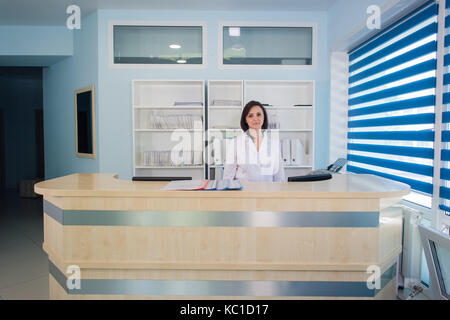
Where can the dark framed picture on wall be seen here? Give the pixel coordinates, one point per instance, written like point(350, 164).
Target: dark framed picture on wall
point(85, 122)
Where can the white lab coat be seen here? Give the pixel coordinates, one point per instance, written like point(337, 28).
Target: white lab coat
point(244, 162)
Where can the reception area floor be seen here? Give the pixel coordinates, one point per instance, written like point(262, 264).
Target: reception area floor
point(23, 263)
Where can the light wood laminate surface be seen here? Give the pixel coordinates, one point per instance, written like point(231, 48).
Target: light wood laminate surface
point(348, 186)
point(266, 238)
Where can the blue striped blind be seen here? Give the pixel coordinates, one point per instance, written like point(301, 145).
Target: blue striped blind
point(392, 82)
point(444, 190)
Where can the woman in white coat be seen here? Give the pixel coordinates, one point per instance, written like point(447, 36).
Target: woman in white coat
point(254, 155)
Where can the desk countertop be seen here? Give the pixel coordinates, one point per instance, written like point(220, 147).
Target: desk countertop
point(350, 186)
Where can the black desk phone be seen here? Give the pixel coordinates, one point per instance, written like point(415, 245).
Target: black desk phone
point(337, 165)
point(317, 175)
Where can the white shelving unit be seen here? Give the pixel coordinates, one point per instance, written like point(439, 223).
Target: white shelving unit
point(224, 104)
point(168, 128)
point(290, 110)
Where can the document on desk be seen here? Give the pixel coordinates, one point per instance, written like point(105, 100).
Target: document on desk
point(203, 185)
point(226, 184)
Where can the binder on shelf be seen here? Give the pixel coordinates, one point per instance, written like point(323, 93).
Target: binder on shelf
point(286, 151)
point(227, 103)
point(169, 120)
point(219, 173)
point(198, 157)
point(187, 157)
point(188, 103)
point(274, 123)
point(217, 151)
point(176, 157)
point(297, 152)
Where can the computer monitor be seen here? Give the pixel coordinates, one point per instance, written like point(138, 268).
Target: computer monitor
point(436, 245)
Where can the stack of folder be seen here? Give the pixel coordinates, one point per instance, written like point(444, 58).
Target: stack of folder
point(170, 120)
point(292, 152)
point(203, 185)
point(172, 158)
point(217, 152)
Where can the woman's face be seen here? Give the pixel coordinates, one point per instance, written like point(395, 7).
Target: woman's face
point(255, 118)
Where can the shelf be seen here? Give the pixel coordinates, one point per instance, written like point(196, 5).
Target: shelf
point(266, 107)
point(288, 107)
point(286, 167)
point(168, 107)
point(170, 167)
point(223, 129)
point(166, 130)
point(226, 107)
point(281, 130)
point(294, 130)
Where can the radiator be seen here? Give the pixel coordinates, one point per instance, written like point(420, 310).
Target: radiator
point(412, 248)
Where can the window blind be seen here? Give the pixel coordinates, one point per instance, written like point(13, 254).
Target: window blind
point(444, 191)
point(392, 82)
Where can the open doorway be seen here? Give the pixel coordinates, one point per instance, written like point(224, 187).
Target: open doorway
point(21, 127)
point(39, 135)
point(2, 151)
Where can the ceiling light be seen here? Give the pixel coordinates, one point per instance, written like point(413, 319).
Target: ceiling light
point(175, 46)
point(234, 31)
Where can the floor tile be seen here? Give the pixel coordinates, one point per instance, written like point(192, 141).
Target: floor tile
point(21, 252)
point(10, 236)
point(22, 270)
point(36, 289)
point(23, 263)
point(34, 233)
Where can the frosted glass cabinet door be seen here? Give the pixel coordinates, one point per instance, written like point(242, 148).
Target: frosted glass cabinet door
point(267, 45)
point(158, 44)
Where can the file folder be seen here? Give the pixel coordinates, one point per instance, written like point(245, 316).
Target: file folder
point(217, 147)
point(187, 157)
point(198, 157)
point(297, 152)
point(286, 151)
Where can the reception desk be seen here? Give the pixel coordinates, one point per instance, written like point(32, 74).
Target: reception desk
point(108, 238)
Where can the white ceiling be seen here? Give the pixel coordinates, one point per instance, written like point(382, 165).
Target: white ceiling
point(53, 12)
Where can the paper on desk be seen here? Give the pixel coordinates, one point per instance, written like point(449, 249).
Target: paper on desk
point(203, 185)
point(186, 185)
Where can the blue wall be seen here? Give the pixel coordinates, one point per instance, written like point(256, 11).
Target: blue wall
point(60, 81)
point(34, 45)
point(114, 94)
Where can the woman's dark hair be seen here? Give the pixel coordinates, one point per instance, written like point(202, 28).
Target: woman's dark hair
point(246, 110)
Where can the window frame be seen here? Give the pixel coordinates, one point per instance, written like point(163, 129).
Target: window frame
point(223, 24)
point(112, 23)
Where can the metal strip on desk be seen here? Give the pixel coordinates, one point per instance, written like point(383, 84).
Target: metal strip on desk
point(307, 219)
point(219, 287)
